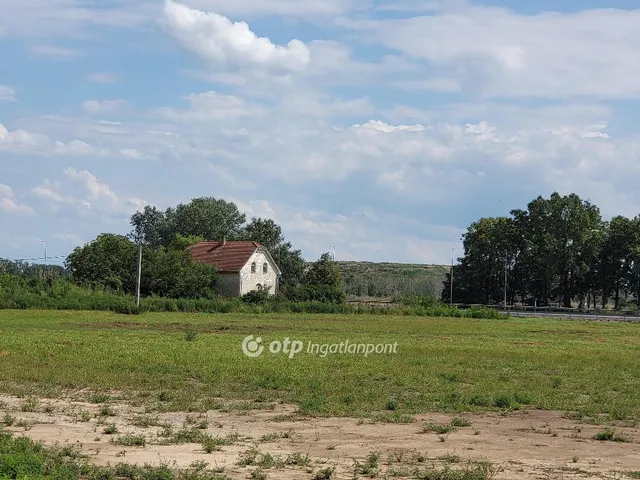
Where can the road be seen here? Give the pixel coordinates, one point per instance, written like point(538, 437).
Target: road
point(579, 316)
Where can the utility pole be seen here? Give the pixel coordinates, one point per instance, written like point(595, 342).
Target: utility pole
point(505, 287)
point(45, 258)
point(139, 276)
point(451, 280)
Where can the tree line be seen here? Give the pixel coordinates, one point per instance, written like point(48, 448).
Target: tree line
point(557, 250)
point(110, 261)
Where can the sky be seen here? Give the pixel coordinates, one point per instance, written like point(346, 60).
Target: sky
point(382, 128)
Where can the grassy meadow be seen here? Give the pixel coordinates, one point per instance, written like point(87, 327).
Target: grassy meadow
point(192, 362)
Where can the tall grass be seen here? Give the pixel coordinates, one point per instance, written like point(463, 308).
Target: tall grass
point(61, 294)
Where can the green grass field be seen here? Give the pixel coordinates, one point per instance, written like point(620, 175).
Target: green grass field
point(441, 364)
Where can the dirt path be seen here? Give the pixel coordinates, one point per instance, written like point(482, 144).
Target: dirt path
point(524, 445)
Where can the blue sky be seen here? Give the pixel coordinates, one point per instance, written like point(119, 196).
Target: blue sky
point(383, 128)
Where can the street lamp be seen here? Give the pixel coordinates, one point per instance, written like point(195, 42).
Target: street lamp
point(45, 257)
point(451, 280)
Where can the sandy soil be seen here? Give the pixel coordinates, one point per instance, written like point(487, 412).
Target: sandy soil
point(525, 444)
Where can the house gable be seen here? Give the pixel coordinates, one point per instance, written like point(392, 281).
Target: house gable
point(260, 272)
point(234, 260)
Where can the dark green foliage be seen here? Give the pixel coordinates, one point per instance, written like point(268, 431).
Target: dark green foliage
point(256, 297)
point(391, 280)
point(321, 283)
point(20, 296)
point(558, 251)
point(110, 262)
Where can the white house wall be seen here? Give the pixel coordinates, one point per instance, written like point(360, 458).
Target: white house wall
point(249, 281)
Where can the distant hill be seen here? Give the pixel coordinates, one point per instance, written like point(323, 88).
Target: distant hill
point(386, 280)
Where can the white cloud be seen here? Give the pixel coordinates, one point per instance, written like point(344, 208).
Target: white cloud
point(219, 41)
point(208, 106)
point(47, 18)
point(86, 195)
point(7, 94)
point(497, 52)
point(103, 106)
point(18, 241)
point(374, 126)
point(102, 77)
point(307, 8)
point(53, 51)
point(70, 238)
point(20, 139)
point(8, 203)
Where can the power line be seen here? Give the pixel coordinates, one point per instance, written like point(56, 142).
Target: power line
point(33, 258)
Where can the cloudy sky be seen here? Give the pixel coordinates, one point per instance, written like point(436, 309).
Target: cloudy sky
point(381, 127)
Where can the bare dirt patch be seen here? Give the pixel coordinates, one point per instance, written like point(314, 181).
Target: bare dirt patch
point(521, 445)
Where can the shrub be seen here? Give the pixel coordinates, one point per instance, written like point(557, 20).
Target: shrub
point(256, 297)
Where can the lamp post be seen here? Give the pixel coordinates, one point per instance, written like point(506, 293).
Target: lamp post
point(505, 286)
point(139, 275)
point(45, 257)
point(451, 280)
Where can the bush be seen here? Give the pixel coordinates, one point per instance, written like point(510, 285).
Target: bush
point(256, 297)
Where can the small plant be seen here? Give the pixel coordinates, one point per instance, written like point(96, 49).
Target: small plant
point(209, 445)
point(24, 424)
point(556, 382)
point(165, 396)
point(450, 458)
point(436, 428)
point(460, 422)
point(392, 404)
point(190, 335)
point(8, 420)
point(523, 399)
point(30, 405)
point(270, 437)
point(370, 467)
point(324, 474)
point(99, 398)
point(298, 459)
point(502, 401)
point(145, 421)
point(479, 401)
point(107, 411)
point(258, 474)
point(84, 416)
point(110, 429)
point(608, 435)
point(130, 441)
point(394, 417)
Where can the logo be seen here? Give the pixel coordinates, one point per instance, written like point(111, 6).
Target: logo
point(251, 347)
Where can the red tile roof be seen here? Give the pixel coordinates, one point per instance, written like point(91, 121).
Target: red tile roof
point(227, 257)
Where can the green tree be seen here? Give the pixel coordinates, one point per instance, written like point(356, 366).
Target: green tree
point(322, 282)
point(289, 260)
point(206, 217)
point(172, 273)
point(109, 261)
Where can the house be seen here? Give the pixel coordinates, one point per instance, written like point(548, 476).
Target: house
point(242, 266)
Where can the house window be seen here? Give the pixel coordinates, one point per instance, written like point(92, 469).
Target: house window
point(253, 267)
point(264, 268)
